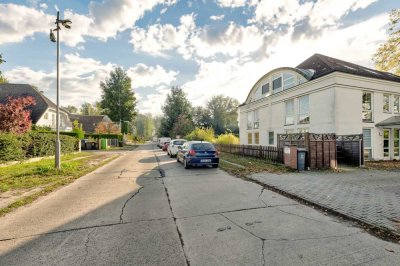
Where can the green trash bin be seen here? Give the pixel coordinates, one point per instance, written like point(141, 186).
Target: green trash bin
point(103, 144)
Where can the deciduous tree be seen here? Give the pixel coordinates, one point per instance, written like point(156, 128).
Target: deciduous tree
point(175, 105)
point(71, 109)
point(387, 58)
point(118, 99)
point(2, 78)
point(107, 128)
point(223, 112)
point(14, 117)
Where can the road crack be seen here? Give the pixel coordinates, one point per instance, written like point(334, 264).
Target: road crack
point(162, 173)
point(259, 196)
point(121, 220)
point(87, 245)
point(251, 233)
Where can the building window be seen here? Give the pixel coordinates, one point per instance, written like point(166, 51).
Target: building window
point(53, 120)
point(257, 138)
point(304, 110)
point(367, 143)
point(396, 104)
point(256, 119)
point(386, 145)
point(396, 144)
point(265, 88)
point(289, 131)
point(288, 81)
point(277, 82)
point(249, 120)
point(289, 118)
point(367, 107)
point(249, 138)
point(271, 138)
point(386, 103)
point(46, 116)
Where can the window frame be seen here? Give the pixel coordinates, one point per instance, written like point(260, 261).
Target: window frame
point(386, 96)
point(250, 138)
point(256, 119)
point(276, 77)
point(306, 114)
point(257, 138)
point(398, 104)
point(292, 116)
point(250, 121)
point(371, 110)
point(369, 148)
point(262, 89)
point(269, 138)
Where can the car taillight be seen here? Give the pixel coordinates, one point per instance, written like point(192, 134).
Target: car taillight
point(192, 153)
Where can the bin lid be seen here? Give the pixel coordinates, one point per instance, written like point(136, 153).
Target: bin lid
point(301, 149)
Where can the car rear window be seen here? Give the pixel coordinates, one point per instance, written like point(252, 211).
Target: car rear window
point(203, 147)
point(178, 142)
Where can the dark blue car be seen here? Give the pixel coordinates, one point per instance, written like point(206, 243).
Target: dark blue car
point(198, 153)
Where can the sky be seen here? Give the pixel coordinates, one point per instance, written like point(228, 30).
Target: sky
point(206, 47)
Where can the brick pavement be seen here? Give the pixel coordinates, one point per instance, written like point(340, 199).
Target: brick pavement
point(369, 195)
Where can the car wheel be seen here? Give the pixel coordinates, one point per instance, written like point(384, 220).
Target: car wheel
point(215, 166)
point(185, 164)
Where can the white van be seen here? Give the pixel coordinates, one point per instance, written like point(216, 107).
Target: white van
point(162, 140)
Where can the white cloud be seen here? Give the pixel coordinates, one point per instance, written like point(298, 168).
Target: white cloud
point(80, 79)
point(152, 103)
point(216, 18)
point(23, 22)
point(236, 76)
point(232, 3)
point(111, 16)
point(148, 76)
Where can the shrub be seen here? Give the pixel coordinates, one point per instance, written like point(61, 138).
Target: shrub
point(227, 138)
point(205, 134)
point(77, 129)
point(104, 136)
point(10, 148)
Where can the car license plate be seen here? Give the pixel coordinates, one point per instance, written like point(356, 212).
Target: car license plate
point(205, 160)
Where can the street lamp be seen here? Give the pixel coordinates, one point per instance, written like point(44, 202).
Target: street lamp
point(66, 24)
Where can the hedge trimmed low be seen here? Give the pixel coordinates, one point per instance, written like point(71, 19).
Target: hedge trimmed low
point(33, 144)
point(104, 136)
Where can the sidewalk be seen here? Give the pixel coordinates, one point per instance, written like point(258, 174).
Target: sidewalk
point(370, 196)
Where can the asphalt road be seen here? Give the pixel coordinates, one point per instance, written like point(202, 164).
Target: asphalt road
point(146, 209)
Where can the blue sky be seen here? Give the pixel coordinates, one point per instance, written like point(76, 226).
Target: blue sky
point(206, 47)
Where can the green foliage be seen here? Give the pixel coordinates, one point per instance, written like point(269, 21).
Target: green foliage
point(176, 104)
point(2, 78)
point(77, 129)
point(205, 134)
point(387, 56)
point(125, 127)
point(145, 125)
point(41, 128)
point(33, 144)
point(118, 100)
point(91, 109)
point(104, 136)
point(71, 109)
point(227, 138)
point(202, 117)
point(10, 148)
point(223, 112)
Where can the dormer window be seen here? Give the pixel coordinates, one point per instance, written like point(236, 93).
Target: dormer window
point(265, 89)
point(277, 82)
point(289, 81)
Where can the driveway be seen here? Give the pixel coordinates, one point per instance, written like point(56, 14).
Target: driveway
point(145, 209)
point(372, 196)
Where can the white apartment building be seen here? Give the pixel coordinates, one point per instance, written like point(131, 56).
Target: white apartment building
point(325, 95)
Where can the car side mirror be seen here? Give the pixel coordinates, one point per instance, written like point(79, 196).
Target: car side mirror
point(179, 147)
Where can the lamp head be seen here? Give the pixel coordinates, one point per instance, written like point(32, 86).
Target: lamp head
point(52, 36)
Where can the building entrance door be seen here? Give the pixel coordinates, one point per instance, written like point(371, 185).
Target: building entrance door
point(386, 143)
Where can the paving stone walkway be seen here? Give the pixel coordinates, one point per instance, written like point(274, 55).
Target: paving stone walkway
point(368, 195)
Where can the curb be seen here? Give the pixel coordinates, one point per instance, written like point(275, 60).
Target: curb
point(376, 230)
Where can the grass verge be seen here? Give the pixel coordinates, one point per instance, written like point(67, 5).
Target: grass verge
point(42, 174)
point(249, 165)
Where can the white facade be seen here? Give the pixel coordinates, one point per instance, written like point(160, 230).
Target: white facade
point(48, 119)
point(329, 104)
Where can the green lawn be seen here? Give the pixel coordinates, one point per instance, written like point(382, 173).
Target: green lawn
point(26, 176)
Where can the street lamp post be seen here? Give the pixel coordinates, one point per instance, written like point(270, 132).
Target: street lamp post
point(66, 23)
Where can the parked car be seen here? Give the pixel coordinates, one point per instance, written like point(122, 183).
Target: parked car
point(173, 146)
point(162, 140)
point(165, 146)
point(198, 153)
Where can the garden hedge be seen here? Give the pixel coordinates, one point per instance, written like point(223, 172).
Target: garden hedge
point(104, 136)
point(33, 144)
